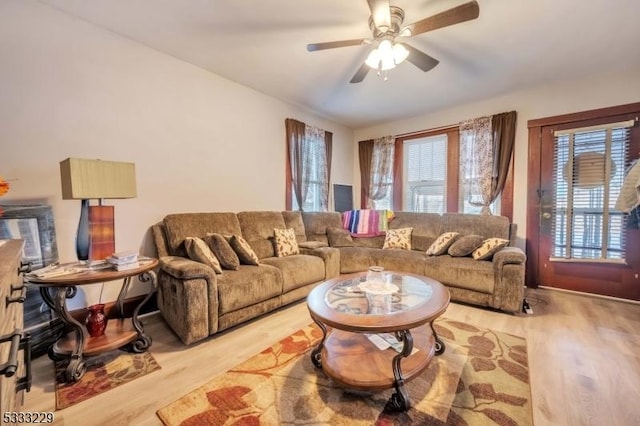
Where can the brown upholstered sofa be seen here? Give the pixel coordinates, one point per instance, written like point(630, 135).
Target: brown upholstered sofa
point(196, 302)
point(497, 283)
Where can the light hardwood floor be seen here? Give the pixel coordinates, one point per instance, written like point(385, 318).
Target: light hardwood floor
point(584, 360)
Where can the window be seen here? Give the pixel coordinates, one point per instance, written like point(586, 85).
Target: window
point(381, 181)
point(425, 172)
point(588, 172)
point(385, 203)
point(314, 172)
point(470, 197)
point(308, 166)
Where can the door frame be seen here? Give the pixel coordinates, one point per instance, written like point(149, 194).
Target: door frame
point(534, 175)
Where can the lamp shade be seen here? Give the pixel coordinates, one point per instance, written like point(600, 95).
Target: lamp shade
point(86, 179)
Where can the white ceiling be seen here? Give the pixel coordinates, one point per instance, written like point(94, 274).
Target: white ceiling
point(262, 44)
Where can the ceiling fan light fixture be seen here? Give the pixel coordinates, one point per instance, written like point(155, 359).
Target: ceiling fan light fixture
point(400, 53)
point(386, 56)
point(385, 48)
point(373, 60)
point(387, 63)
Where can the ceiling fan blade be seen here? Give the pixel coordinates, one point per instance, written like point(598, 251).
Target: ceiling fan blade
point(333, 44)
point(420, 59)
point(462, 13)
point(381, 14)
point(360, 74)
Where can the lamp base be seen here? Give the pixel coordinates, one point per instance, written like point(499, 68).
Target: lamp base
point(82, 236)
point(101, 230)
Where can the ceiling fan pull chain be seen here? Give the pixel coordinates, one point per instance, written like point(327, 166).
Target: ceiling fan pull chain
point(384, 74)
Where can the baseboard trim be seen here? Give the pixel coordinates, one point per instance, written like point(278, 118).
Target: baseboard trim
point(597, 296)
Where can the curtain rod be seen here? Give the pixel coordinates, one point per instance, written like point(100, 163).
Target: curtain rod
point(435, 129)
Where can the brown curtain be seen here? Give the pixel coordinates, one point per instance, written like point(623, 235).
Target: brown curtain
point(365, 154)
point(295, 136)
point(328, 144)
point(398, 159)
point(503, 127)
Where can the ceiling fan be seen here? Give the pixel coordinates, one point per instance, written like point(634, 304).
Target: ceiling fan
point(388, 34)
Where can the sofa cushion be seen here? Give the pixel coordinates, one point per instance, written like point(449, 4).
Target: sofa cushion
point(461, 272)
point(411, 261)
point(399, 238)
point(425, 224)
point(369, 242)
point(488, 226)
point(339, 237)
point(223, 251)
point(293, 219)
point(247, 286)
point(298, 270)
point(312, 244)
point(316, 224)
point(488, 248)
point(426, 227)
point(285, 242)
point(357, 259)
point(421, 242)
point(442, 243)
point(179, 226)
point(257, 230)
point(465, 245)
point(243, 250)
point(200, 251)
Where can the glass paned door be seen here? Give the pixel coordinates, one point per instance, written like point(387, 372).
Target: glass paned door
point(588, 171)
point(584, 243)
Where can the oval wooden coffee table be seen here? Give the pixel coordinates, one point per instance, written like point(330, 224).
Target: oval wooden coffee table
point(348, 316)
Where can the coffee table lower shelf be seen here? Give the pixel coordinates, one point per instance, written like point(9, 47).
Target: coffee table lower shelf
point(353, 362)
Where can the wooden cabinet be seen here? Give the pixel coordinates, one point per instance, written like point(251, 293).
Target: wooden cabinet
point(15, 345)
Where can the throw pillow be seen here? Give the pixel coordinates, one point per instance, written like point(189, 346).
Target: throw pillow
point(488, 248)
point(465, 245)
point(243, 250)
point(442, 243)
point(223, 251)
point(199, 251)
point(286, 243)
point(339, 237)
point(399, 238)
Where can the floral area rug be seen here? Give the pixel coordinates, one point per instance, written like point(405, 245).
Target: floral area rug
point(104, 372)
point(481, 378)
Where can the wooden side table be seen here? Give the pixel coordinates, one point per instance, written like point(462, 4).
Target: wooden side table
point(120, 331)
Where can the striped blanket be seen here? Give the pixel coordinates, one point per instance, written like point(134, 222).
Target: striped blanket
point(366, 223)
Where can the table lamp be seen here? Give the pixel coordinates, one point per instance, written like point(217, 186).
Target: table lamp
point(85, 179)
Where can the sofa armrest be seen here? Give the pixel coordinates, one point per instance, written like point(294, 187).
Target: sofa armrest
point(188, 297)
point(331, 258)
point(509, 268)
point(508, 255)
point(185, 269)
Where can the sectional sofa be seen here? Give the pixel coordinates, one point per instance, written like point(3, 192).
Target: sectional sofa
point(197, 302)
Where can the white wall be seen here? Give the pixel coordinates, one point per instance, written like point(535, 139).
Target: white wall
point(598, 91)
point(199, 142)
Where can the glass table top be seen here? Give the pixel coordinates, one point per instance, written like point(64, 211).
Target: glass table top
point(396, 294)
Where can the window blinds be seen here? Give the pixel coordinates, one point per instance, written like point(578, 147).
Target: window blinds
point(425, 174)
point(588, 172)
